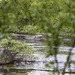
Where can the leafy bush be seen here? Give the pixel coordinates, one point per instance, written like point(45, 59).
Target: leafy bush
point(16, 46)
point(31, 29)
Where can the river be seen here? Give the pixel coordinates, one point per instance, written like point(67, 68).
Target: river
point(36, 66)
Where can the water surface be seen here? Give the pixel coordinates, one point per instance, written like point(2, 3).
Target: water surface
point(37, 66)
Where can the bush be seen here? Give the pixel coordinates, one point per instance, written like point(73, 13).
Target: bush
point(16, 46)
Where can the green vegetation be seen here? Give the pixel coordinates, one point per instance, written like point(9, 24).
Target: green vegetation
point(16, 46)
point(39, 16)
point(28, 29)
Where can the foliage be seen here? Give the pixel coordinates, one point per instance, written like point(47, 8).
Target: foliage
point(47, 14)
point(16, 46)
point(28, 29)
point(9, 16)
point(53, 15)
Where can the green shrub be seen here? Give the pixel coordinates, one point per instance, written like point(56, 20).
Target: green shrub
point(16, 46)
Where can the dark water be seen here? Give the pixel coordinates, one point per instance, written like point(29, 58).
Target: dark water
point(36, 66)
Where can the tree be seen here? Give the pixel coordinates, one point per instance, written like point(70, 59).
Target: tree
point(54, 16)
point(14, 14)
